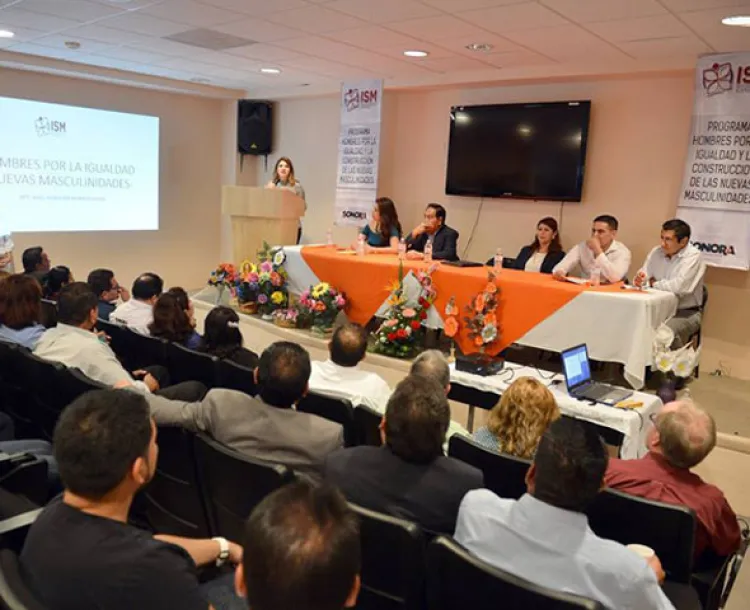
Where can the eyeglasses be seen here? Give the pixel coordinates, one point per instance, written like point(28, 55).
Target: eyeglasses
point(653, 417)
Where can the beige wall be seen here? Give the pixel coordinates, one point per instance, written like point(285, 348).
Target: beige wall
point(637, 142)
point(195, 133)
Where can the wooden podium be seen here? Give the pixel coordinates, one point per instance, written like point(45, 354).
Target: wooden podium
point(259, 214)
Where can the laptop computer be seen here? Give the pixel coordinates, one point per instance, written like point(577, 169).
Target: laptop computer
point(577, 370)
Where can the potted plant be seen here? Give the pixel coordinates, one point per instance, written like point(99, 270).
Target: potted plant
point(223, 277)
point(672, 366)
point(321, 304)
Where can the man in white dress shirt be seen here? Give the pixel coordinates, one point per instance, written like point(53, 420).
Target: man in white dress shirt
point(676, 266)
point(138, 312)
point(601, 251)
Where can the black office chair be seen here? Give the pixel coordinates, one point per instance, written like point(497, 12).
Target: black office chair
point(17, 401)
point(457, 580)
point(14, 592)
point(141, 351)
point(697, 338)
point(25, 476)
point(393, 562)
point(337, 410)
point(503, 474)
point(236, 377)
point(173, 500)
point(72, 383)
point(49, 313)
point(38, 377)
point(14, 528)
point(188, 365)
point(367, 421)
point(117, 340)
point(667, 528)
point(233, 484)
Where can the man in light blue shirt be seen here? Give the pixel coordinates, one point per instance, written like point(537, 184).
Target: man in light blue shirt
point(544, 537)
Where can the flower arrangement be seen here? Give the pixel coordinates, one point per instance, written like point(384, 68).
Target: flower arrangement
point(272, 293)
point(286, 318)
point(320, 305)
point(398, 334)
point(481, 316)
point(223, 277)
point(674, 365)
point(450, 325)
point(248, 286)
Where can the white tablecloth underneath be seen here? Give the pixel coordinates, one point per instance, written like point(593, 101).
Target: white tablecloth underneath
point(633, 424)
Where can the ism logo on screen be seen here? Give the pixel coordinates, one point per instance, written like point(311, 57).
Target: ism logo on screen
point(48, 127)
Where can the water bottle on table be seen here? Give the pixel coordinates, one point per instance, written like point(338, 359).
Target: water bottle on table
point(428, 251)
point(402, 249)
point(596, 276)
point(498, 262)
point(329, 237)
point(360, 245)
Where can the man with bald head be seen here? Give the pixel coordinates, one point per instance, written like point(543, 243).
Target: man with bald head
point(681, 437)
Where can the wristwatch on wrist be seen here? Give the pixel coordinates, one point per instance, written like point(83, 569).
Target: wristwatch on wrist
point(221, 559)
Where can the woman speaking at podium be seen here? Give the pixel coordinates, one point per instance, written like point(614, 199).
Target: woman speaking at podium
point(283, 178)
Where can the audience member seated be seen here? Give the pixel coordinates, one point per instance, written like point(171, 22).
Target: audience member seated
point(518, 420)
point(680, 439)
point(185, 302)
point(75, 343)
point(544, 537)
point(433, 230)
point(137, 313)
point(172, 322)
point(56, 278)
point(36, 263)
point(266, 427)
point(677, 267)
point(383, 232)
point(109, 291)
point(222, 338)
point(20, 310)
point(544, 252)
point(408, 477)
point(341, 377)
point(81, 552)
point(602, 251)
point(302, 551)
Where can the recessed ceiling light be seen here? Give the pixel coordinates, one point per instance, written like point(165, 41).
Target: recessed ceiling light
point(200, 80)
point(73, 45)
point(416, 53)
point(6, 34)
point(480, 47)
point(270, 71)
point(738, 20)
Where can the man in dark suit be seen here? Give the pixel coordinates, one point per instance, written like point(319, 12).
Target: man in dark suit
point(408, 477)
point(434, 230)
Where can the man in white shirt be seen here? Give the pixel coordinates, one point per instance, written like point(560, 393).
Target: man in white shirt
point(601, 251)
point(340, 375)
point(138, 312)
point(545, 538)
point(676, 266)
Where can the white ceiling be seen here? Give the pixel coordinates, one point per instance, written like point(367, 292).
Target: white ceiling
point(317, 43)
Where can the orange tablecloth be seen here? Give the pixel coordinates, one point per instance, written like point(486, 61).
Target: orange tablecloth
point(525, 298)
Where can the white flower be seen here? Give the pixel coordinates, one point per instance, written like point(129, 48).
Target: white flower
point(664, 361)
point(663, 338)
point(685, 362)
point(279, 258)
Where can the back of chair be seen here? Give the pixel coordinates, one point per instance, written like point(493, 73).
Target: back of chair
point(337, 410)
point(38, 377)
point(504, 474)
point(393, 562)
point(25, 476)
point(49, 313)
point(233, 484)
point(18, 515)
point(367, 421)
point(174, 498)
point(14, 593)
point(188, 365)
point(141, 351)
point(118, 340)
point(457, 580)
point(668, 529)
point(15, 398)
point(236, 377)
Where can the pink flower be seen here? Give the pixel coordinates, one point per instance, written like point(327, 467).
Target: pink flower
point(304, 296)
point(340, 301)
point(390, 323)
point(266, 267)
point(409, 312)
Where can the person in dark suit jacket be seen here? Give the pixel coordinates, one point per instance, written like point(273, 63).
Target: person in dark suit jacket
point(408, 477)
point(444, 239)
point(544, 252)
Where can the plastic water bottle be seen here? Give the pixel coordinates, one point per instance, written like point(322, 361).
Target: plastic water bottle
point(329, 237)
point(498, 260)
point(402, 249)
point(596, 276)
point(428, 251)
point(360, 245)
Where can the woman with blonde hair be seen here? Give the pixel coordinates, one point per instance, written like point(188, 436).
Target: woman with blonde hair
point(518, 421)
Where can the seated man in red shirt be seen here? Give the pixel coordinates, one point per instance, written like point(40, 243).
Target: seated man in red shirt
point(682, 436)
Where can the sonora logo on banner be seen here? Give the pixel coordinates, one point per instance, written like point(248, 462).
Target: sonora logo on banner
point(722, 249)
point(721, 78)
point(354, 98)
point(354, 214)
point(46, 127)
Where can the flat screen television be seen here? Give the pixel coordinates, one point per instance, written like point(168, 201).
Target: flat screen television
point(519, 151)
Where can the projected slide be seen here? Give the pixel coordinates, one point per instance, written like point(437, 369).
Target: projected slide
point(64, 168)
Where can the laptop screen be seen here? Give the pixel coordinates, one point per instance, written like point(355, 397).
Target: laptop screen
point(576, 366)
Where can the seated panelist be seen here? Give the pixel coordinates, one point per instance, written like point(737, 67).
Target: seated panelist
point(544, 252)
point(433, 230)
point(383, 232)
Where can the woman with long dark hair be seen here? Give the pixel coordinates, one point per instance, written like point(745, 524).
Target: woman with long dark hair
point(172, 322)
point(544, 252)
point(56, 278)
point(383, 232)
point(222, 338)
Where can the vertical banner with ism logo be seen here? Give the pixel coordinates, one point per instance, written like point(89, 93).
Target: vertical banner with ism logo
point(715, 195)
point(359, 151)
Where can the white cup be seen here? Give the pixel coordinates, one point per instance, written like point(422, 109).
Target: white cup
point(642, 550)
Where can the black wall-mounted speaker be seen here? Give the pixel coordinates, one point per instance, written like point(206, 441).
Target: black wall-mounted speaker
point(254, 127)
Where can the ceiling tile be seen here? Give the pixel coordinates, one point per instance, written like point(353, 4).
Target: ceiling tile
point(21, 35)
point(435, 29)
point(454, 6)
point(447, 65)
point(263, 52)
point(567, 43)
point(88, 46)
point(192, 13)
point(324, 67)
point(47, 23)
point(372, 36)
point(111, 62)
point(383, 11)
point(525, 16)
point(257, 7)
point(517, 59)
point(131, 4)
point(697, 5)
point(140, 23)
point(135, 55)
point(586, 11)
point(80, 10)
point(397, 52)
point(644, 28)
point(707, 24)
point(458, 44)
point(668, 47)
point(315, 20)
point(31, 48)
point(102, 34)
point(259, 30)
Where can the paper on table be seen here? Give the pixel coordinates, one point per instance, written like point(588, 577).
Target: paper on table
point(575, 280)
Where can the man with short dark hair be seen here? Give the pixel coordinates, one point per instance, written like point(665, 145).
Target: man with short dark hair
point(408, 477)
point(138, 312)
point(544, 537)
point(341, 377)
point(678, 267)
point(682, 436)
point(81, 552)
point(36, 263)
point(600, 252)
point(302, 551)
point(109, 291)
point(434, 231)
